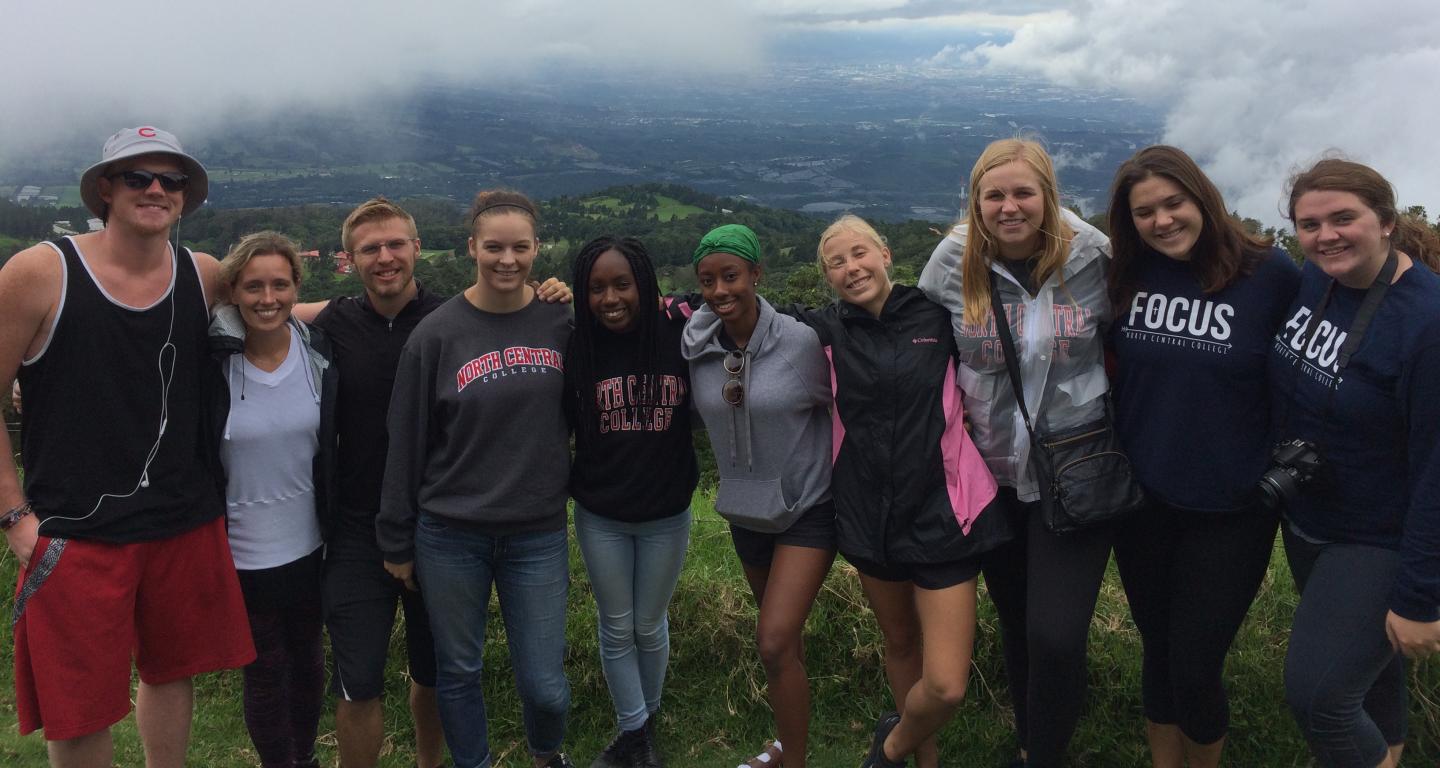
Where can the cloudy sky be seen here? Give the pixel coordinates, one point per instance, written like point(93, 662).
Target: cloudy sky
point(1252, 89)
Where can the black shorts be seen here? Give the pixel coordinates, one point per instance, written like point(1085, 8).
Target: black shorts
point(923, 575)
point(815, 528)
point(359, 606)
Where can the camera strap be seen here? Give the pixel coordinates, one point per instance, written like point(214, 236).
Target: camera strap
point(1368, 306)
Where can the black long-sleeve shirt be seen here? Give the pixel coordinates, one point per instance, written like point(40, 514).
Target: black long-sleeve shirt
point(635, 465)
point(366, 350)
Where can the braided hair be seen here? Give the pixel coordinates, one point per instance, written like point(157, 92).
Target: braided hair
point(646, 332)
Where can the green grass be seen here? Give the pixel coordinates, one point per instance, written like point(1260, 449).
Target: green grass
point(8, 243)
point(68, 196)
point(715, 713)
point(669, 209)
point(430, 254)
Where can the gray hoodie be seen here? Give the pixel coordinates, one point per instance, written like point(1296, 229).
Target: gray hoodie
point(772, 452)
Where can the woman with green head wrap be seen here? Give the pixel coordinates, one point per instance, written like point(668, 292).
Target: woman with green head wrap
point(762, 384)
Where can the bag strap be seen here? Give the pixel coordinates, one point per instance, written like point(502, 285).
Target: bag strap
point(1007, 344)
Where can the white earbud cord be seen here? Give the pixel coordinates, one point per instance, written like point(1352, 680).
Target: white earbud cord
point(167, 376)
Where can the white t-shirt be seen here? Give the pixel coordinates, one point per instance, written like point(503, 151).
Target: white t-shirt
point(268, 449)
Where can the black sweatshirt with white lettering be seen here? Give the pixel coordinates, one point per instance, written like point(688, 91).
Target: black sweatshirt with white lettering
point(1191, 401)
point(1380, 484)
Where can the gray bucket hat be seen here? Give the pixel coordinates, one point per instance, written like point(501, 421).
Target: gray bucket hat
point(145, 140)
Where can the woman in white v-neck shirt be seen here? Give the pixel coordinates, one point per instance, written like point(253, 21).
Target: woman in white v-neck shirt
point(279, 379)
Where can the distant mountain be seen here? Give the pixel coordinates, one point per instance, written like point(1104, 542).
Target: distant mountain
point(893, 141)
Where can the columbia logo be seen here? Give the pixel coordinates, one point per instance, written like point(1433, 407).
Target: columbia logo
point(925, 340)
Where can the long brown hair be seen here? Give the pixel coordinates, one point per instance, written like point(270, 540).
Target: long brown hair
point(980, 247)
point(1225, 249)
point(1411, 236)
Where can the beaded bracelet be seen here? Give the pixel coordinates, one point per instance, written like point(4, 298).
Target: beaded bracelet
point(9, 519)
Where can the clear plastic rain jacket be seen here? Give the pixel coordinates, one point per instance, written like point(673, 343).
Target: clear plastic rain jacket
point(1058, 335)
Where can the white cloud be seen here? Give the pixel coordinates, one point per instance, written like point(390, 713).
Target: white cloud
point(1085, 161)
point(1256, 90)
point(91, 67)
point(975, 21)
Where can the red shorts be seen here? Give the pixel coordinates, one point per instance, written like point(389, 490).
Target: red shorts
point(174, 605)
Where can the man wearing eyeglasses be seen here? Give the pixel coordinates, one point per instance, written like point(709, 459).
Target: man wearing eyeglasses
point(119, 529)
point(368, 332)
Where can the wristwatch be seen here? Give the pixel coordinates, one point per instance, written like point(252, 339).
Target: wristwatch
point(9, 519)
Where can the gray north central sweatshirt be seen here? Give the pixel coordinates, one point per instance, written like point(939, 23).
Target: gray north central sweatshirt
point(773, 451)
point(477, 425)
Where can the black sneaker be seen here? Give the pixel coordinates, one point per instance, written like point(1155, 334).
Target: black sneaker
point(559, 760)
point(648, 756)
point(624, 750)
point(876, 758)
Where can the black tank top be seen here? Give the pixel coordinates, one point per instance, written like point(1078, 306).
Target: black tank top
point(98, 463)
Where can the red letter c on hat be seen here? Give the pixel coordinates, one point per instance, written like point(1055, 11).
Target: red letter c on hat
point(147, 132)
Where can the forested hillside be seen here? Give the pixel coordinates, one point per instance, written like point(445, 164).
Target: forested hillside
point(670, 219)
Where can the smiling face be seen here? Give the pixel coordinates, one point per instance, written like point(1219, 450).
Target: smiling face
point(1342, 235)
point(855, 266)
point(385, 271)
point(1012, 208)
point(504, 248)
point(1167, 219)
point(264, 291)
point(147, 211)
point(613, 294)
point(727, 282)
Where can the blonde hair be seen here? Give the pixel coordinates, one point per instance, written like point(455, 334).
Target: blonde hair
point(372, 210)
point(266, 243)
point(848, 222)
point(981, 249)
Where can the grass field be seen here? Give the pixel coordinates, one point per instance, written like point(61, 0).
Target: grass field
point(668, 209)
point(68, 196)
point(715, 715)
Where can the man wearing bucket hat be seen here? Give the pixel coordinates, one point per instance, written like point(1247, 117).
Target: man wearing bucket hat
point(119, 528)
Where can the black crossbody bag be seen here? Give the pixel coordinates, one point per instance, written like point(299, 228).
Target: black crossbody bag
point(1084, 475)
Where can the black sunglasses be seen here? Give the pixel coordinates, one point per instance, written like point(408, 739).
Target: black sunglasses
point(170, 181)
point(733, 390)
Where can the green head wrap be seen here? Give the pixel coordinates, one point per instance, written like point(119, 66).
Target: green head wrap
point(729, 238)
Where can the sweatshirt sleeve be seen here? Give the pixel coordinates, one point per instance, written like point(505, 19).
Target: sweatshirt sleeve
point(408, 424)
point(1416, 595)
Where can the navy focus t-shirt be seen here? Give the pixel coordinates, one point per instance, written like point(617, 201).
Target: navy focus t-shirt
point(1381, 479)
point(1191, 393)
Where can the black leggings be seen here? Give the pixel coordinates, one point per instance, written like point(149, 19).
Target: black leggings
point(1044, 588)
point(285, 684)
point(1344, 681)
point(1190, 578)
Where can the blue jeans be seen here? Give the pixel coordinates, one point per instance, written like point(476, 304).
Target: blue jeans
point(1343, 680)
point(633, 569)
point(531, 573)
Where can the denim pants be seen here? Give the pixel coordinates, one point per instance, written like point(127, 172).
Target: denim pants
point(633, 569)
point(1344, 682)
point(456, 567)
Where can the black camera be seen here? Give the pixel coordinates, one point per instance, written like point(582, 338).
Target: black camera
point(1293, 463)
